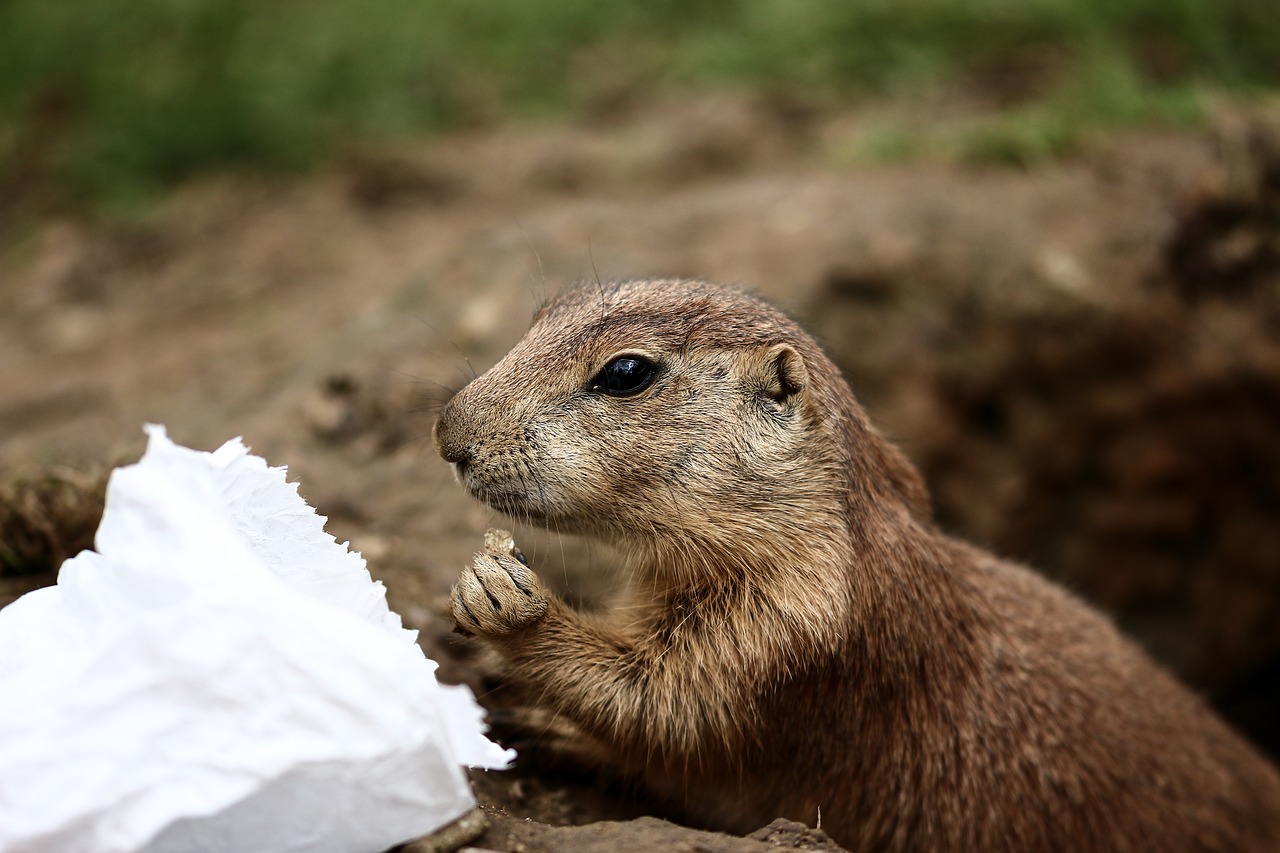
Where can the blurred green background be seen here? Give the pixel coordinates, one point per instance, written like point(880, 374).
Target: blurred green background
point(107, 101)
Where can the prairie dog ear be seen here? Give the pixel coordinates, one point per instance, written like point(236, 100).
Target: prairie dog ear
point(785, 374)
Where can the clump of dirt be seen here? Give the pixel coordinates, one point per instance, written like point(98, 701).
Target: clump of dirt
point(48, 517)
point(1227, 242)
point(648, 833)
point(45, 517)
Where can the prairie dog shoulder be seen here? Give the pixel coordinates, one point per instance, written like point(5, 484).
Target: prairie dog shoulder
point(806, 638)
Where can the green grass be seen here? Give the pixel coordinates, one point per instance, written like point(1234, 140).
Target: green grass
point(102, 100)
point(1102, 94)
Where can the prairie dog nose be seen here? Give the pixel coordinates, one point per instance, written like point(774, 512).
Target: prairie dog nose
point(448, 444)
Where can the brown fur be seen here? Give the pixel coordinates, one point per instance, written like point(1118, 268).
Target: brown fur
point(801, 637)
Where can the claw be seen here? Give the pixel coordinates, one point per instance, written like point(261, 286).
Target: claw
point(520, 584)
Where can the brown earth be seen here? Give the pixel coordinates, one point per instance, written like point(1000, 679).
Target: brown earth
point(1083, 358)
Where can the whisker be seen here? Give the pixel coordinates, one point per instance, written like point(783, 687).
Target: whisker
point(539, 285)
point(442, 336)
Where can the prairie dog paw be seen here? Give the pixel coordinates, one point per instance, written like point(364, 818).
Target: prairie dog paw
point(497, 594)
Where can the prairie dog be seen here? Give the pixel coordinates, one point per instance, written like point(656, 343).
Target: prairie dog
point(799, 635)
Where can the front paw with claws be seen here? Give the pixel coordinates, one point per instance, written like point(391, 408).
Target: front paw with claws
point(497, 594)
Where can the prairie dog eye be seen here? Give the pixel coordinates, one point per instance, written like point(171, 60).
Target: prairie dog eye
point(624, 376)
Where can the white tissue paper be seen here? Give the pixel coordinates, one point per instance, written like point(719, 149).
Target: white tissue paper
point(220, 674)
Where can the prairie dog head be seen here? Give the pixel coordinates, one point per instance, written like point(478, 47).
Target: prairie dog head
point(671, 414)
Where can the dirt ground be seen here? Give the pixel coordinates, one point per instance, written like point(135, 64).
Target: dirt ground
point(1084, 358)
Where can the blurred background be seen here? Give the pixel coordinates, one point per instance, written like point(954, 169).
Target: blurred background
point(1041, 237)
point(105, 101)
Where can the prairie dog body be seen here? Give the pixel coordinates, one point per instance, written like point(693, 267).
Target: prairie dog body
point(800, 636)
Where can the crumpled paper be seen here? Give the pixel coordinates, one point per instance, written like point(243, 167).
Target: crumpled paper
point(220, 674)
